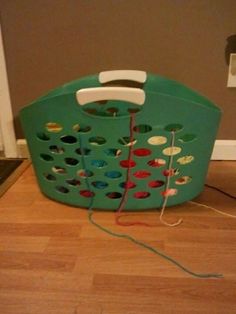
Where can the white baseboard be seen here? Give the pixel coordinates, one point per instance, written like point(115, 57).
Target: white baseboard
point(22, 149)
point(223, 150)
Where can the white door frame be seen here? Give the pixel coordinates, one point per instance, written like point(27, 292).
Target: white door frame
point(7, 132)
point(1, 140)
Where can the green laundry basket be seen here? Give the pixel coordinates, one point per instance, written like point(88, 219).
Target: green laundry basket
point(80, 133)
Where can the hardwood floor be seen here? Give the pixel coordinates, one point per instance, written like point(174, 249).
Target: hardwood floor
point(53, 261)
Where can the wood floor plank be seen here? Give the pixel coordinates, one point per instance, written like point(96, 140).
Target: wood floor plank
point(53, 261)
point(49, 230)
point(37, 261)
point(45, 282)
point(23, 243)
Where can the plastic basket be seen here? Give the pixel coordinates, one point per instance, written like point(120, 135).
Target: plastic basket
point(80, 132)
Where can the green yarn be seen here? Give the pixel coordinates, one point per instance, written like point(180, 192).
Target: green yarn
point(150, 248)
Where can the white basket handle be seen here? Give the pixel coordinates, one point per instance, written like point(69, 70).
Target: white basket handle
point(131, 75)
point(129, 94)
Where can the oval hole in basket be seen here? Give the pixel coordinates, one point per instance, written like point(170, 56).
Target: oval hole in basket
point(71, 161)
point(174, 127)
point(127, 163)
point(62, 189)
point(84, 152)
point(171, 151)
point(86, 193)
point(98, 163)
point(156, 163)
point(114, 195)
point(133, 110)
point(113, 174)
point(141, 194)
point(59, 170)
point(126, 141)
point(113, 111)
point(142, 174)
point(49, 177)
point(56, 149)
point(142, 152)
point(68, 139)
point(53, 127)
point(142, 128)
point(100, 184)
point(187, 138)
point(170, 172)
point(156, 183)
point(42, 136)
point(97, 140)
point(73, 182)
point(85, 173)
point(127, 185)
point(185, 160)
point(113, 152)
point(46, 157)
point(183, 180)
point(157, 140)
point(169, 192)
point(81, 128)
point(91, 111)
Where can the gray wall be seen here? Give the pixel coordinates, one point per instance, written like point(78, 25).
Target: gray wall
point(50, 42)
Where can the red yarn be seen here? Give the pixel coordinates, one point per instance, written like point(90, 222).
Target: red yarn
point(169, 172)
point(142, 174)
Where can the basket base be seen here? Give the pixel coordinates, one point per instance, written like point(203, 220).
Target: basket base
point(171, 203)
